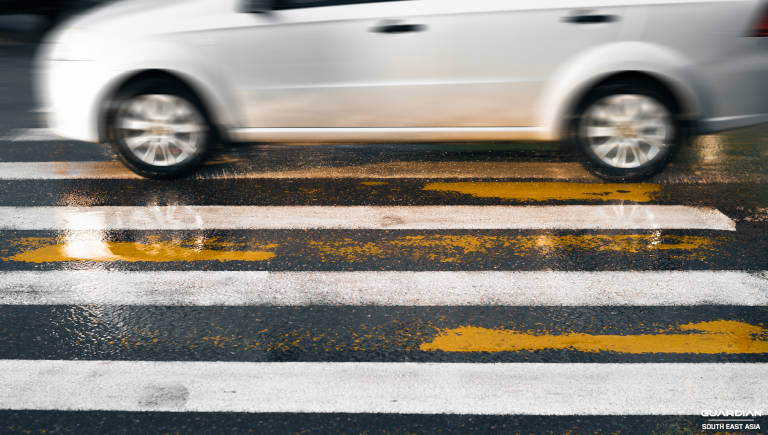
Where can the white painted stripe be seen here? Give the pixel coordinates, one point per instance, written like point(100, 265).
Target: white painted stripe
point(384, 288)
point(389, 170)
point(32, 135)
point(421, 388)
point(64, 171)
point(606, 217)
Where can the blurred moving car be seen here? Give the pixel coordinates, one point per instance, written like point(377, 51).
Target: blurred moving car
point(627, 81)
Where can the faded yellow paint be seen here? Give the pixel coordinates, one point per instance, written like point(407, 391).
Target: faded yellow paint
point(432, 247)
point(374, 183)
point(458, 248)
point(45, 250)
point(552, 191)
point(713, 337)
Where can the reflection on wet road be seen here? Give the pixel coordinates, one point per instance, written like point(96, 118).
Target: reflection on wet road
point(312, 288)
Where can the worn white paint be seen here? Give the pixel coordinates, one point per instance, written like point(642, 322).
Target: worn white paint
point(32, 135)
point(540, 288)
point(625, 217)
point(420, 388)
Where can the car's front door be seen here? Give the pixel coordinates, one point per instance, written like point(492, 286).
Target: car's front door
point(412, 63)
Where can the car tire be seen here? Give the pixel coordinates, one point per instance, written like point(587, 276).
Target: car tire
point(159, 128)
point(627, 131)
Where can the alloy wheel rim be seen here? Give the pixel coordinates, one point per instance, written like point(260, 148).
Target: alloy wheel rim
point(627, 130)
point(161, 129)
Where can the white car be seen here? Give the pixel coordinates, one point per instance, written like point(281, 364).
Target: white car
point(626, 81)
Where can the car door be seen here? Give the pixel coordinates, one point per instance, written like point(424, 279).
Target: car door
point(411, 63)
point(319, 63)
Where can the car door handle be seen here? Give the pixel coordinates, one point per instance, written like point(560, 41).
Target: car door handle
point(398, 28)
point(590, 18)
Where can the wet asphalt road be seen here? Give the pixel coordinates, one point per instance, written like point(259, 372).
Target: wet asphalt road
point(107, 320)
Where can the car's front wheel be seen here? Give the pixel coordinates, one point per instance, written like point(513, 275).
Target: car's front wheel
point(159, 129)
point(626, 132)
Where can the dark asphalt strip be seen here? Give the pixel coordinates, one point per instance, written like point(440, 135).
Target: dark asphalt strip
point(280, 157)
point(342, 250)
point(49, 151)
point(385, 334)
point(112, 422)
point(734, 199)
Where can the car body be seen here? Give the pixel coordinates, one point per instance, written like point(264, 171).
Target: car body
point(416, 70)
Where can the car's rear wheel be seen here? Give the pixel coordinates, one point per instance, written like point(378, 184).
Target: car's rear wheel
point(627, 131)
point(159, 129)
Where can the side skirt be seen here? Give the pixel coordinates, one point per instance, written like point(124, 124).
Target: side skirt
point(387, 134)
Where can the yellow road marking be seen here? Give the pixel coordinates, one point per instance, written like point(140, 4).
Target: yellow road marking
point(44, 250)
point(457, 248)
point(720, 336)
point(551, 191)
point(440, 248)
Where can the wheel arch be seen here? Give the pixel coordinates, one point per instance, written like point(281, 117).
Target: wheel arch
point(210, 105)
point(656, 65)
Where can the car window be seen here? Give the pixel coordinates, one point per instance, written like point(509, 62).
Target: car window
point(300, 4)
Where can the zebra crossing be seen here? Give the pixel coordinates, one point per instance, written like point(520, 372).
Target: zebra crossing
point(381, 295)
point(364, 217)
point(400, 388)
point(385, 288)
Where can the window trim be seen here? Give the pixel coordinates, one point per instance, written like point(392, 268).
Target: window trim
point(283, 5)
